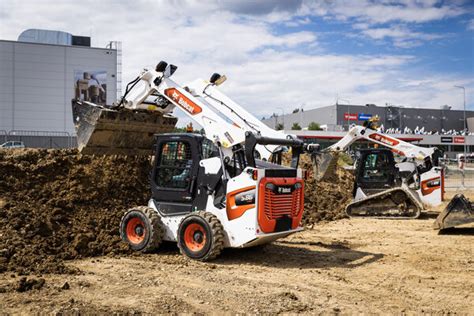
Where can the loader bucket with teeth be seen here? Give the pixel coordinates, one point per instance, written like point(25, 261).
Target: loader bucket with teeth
point(459, 211)
point(106, 131)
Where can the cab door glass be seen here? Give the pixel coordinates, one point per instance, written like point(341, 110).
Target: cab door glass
point(208, 149)
point(377, 168)
point(174, 165)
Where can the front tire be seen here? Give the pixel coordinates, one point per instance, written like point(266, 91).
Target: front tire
point(201, 236)
point(142, 229)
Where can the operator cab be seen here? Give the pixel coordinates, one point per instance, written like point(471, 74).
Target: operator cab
point(375, 171)
point(187, 169)
point(174, 178)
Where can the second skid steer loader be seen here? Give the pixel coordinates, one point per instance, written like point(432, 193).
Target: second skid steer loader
point(383, 187)
point(386, 189)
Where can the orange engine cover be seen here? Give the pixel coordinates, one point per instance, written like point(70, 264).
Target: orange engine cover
point(280, 204)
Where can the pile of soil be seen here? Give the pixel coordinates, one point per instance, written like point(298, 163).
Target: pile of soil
point(325, 200)
point(57, 205)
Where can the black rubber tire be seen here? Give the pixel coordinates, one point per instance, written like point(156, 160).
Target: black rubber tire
point(153, 228)
point(214, 232)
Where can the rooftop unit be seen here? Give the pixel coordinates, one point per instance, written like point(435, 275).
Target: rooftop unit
point(53, 37)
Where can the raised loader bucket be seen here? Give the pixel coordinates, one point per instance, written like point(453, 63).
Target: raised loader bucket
point(458, 212)
point(324, 165)
point(104, 131)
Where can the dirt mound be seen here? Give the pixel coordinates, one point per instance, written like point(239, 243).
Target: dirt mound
point(57, 205)
point(326, 199)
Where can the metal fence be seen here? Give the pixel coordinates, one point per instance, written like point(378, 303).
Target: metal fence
point(456, 177)
point(40, 139)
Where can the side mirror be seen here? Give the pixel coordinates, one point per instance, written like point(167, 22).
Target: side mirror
point(217, 79)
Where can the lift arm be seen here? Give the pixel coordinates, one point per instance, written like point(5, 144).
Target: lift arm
point(325, 161)
point(237, 114)
point(170, 95)
point(399, 146)
point(127, 127)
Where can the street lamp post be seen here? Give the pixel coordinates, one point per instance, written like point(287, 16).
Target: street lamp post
point(465, 129)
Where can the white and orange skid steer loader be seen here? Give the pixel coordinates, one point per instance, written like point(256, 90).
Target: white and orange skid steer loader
point(207, 192)
point(385, 188)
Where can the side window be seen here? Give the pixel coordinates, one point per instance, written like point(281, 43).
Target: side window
point(209, 150)
point(174, 165)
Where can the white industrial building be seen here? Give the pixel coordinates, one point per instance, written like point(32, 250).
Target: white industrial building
point(442, 127)
point(40, 74)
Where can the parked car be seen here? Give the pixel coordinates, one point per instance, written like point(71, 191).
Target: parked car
point(13, 144)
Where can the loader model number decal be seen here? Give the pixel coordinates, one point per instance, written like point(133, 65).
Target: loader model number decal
point(284, 190)
point(183, 101)
point(384, 139)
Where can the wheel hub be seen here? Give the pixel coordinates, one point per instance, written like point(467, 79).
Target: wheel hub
point(198, 237)
point(135, 230)
point(194, 237)
point(139, 230)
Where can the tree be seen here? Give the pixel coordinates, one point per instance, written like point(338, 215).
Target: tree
point(313, 126)
point(179, 130)
point(296, 127)
point(279, 127)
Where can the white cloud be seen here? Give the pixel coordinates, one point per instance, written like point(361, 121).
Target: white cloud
point(401, 35)
point(298, 22)
point(258, 7)
point(470, 25)
point(265, 70)
point(410, 11)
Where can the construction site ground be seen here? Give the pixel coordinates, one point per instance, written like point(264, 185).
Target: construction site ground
point(60, 251)
point(346, 266)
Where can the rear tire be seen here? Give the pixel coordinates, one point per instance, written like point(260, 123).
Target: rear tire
point(142, 229)
point(201, 236)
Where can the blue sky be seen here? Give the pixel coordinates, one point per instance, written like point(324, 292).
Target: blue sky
point(282, 53)
point(453, 51)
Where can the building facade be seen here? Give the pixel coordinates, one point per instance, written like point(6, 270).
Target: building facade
point(337, 118)
point(343, 115)
point(42, 72)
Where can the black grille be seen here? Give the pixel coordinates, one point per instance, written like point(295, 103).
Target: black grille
point(280, 173)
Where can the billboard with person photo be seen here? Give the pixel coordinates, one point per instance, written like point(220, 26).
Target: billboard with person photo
point(91, 85)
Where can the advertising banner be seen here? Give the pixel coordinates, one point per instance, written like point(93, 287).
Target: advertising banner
point(459, 140)
point(91, 85)
point(350, 116)
point(364, 117)
point(446, 139)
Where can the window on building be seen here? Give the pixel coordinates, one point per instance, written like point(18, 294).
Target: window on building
point(457, 148)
